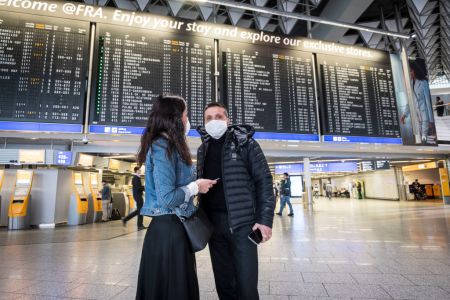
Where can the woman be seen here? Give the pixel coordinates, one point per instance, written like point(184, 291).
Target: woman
point(167, 269)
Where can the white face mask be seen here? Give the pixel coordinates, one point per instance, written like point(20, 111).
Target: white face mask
point(187, 127)
point(216, 128)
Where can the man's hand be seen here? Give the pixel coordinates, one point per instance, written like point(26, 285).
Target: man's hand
point(265, 231)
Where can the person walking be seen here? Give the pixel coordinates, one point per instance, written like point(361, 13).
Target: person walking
point(242, 201)
point(167, 268)
point(106, 201)
point(138, 190)
point(329, 190)
point(285, 192)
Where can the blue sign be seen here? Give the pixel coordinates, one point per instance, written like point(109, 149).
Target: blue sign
point(41, 127)
point(63, 158)
point(286, 136)
point(102, 129)
point(319, 167)
point(105, 129)
point(361, 139)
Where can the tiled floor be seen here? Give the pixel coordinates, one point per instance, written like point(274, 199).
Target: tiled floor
point(340, 249)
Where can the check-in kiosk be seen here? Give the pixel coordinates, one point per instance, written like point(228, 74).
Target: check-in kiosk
point(18, 213)
point(129, 192)
point(78, 206)
point(2, 175)
point(95, 212)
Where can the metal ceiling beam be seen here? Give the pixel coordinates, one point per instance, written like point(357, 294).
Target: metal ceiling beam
point(303, 17)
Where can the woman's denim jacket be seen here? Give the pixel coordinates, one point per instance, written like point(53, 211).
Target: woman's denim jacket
point(166, 180)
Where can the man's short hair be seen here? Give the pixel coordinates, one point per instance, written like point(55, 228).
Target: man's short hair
point(286, 174)
point(216, 104)
point(438, 98)
point(136, 169)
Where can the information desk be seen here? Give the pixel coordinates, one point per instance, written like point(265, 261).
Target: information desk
point(43, 73)
point(134, 66)
point(20, 200)
point(271, 89)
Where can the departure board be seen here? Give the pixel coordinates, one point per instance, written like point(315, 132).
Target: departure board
point(270, 88)
point(358, 98)
point(135, 66)
point(43, 69)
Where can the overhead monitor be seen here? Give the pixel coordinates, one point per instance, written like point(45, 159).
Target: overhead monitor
point(135, 66)
point(43, 73)
point(358, 100)
point(271, 89)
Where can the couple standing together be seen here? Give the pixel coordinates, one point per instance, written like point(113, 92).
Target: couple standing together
point(235, 191)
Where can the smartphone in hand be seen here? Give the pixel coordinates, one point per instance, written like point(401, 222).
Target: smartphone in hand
point(255, 237)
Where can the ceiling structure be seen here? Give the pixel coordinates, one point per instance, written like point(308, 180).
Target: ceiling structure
point(427, 20)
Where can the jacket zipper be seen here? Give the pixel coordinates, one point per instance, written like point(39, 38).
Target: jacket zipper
point(223, 182)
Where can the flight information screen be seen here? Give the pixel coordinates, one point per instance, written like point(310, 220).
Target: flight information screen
point(43, 69)
point(358, 99)
point(135, 66)
point(270, 88)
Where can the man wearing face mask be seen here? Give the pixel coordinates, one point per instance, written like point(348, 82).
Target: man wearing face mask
point(242, 201)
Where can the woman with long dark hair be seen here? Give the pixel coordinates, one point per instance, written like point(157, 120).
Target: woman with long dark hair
point(167, 269)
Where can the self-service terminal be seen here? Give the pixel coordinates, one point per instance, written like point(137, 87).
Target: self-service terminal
point(129, 192)
point(78, 206)
point(94, 200)
point(18, 212)
point(2, 175)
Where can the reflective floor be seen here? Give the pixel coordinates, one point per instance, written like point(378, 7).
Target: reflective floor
point(340, 249)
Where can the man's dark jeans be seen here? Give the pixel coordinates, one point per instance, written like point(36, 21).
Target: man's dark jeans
point(137, 212)
point(234, 259)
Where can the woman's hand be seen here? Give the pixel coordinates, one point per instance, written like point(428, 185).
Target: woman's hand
point(205, 184)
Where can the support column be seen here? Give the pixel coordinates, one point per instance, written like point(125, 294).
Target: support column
point(307, 173)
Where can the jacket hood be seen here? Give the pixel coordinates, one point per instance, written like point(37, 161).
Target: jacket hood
point(241, 133)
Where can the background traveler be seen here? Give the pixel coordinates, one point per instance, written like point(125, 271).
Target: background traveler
point(285, 192)
point(138, 190)
point(106, 201)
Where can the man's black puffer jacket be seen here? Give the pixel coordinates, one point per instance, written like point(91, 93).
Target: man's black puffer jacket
point(246, 177)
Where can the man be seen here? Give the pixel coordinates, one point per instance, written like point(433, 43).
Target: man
point(106, 200)
point(440, 107)
point(285, 191)
point(329, 190)
point(417, 188)
point(316, 191)
point(240, 202)
point(138, 189)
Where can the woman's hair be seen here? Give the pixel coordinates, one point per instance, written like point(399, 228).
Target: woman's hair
point(165, 120)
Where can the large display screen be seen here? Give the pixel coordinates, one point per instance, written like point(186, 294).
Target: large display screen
point(358, 101)
point(135, 66)
point(271, 89)
point(43, 68)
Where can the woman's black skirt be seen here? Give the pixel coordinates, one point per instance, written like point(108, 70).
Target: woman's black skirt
point(167, 269)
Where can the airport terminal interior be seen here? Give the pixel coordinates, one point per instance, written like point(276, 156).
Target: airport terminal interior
point(351, 98)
